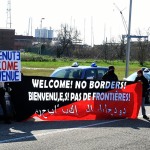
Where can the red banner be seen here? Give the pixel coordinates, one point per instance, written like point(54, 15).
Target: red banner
point(50, 99)
point(112, 104)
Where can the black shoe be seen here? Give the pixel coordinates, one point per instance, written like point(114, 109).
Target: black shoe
point(145, 117)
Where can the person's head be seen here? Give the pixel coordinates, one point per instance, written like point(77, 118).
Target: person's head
point(111, 68)
point(139, 73)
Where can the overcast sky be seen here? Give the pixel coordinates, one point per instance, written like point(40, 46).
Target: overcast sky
point(102, 16)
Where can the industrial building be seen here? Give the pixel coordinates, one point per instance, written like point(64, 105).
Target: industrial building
point(7, 39)
point(23, 42)
point(10, 41)
point(44, 33)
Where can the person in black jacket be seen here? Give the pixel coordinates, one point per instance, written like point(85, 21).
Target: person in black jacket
point(110, 75)
point(3, 103)
point(145, 85)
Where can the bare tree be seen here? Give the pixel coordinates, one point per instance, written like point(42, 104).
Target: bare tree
point(142, 45)
point(67, 38)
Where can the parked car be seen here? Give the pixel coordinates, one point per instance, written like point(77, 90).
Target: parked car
point(146, 73)
point(80, 72)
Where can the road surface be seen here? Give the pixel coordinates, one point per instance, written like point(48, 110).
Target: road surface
point(77, 135)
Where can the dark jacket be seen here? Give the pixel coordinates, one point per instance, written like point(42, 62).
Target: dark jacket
point(145, 84)
point(110, 76)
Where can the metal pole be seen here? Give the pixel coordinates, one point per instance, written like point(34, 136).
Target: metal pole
point(41, 34)
point(128, 42)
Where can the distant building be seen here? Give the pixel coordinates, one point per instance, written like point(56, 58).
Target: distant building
point(23, 42)
point(44, 33)
point(10, 41)
point(7, 39)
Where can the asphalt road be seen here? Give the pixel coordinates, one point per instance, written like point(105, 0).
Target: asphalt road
point(77, 135)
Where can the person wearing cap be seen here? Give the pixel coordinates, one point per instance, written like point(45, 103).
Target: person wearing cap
point(110, 75)
point(145, 85)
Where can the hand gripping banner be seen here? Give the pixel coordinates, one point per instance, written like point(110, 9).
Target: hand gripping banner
point(52, 99)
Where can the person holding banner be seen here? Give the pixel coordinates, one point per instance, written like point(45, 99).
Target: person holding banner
point(110, 75)
point(140, 78)
point(3, 103)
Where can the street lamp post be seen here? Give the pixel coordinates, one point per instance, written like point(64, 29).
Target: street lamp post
point(41, 34)
point(128, 42)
